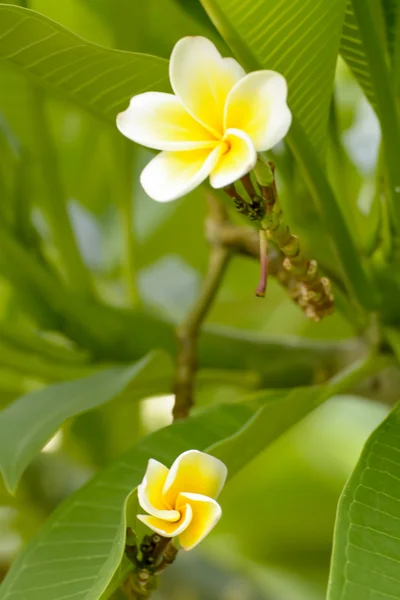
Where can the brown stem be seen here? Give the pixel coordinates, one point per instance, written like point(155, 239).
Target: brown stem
point(262, 286)
point(248, 186)
point(245, 240)
point(188, 332)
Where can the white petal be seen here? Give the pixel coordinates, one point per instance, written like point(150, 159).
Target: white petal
point(202, 79)
point(239, 160)
point(257, 105)
point(150, 492)
point(160, 121)
point(194, 472)
point(206, 514)
point(171, 175)
point(165, 528)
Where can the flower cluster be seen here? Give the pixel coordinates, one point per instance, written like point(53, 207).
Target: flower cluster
point(213, 125)
point(181, 500)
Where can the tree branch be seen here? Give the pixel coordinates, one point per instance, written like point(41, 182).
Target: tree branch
point(189, 330)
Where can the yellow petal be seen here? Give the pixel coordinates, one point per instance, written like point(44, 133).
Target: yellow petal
point(165, 528)
point(196, 472)
point(171, 175)
point(160, 121)
point(239, 160)
point(206, 514)
point(257, 105)
point(202, 79)
point(150, 492)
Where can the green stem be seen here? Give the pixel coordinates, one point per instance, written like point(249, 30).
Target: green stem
point(311, 292)
point(263, 171)
point(382, 191)
point(386, 100)
point(54, 203)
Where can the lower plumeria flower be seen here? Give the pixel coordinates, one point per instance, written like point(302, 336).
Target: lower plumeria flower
point(181, 500)
point(214, 125)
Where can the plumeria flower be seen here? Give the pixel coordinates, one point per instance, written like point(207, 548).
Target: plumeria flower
point(214, 125)
point(181, 500)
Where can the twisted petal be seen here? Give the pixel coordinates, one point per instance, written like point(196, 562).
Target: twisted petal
point(239, 160)
point(257, 105)
point(150, 492)
point(194, 472)
point(166, 528)
point(206, 513)
point(160, 121)
point(202, 79)
point(171, 175)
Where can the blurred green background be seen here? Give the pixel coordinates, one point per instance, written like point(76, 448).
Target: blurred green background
point(274, 541)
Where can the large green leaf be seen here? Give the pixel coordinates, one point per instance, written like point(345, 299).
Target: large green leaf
point(29, 422)
point(370, 21)
point(126, 18)
point(80, 547)
point(282, 410)
point(352, 47)
point(99, 79)
point(353, 52)
point(391, 12)
point(299, 38)
point(366, 556)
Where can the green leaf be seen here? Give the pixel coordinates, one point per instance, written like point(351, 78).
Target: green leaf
point(99, 79)
point(353, 52)
point(366, 556)
point(281, 410)
point(382, 80)
point(391, 15)
point(298, 38)
point(78, 550)
point(352, 46)
point(30, 421)
point(394, 39)
point(287, 35)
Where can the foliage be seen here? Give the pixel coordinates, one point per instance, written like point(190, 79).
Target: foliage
point(366, 552)
point(95, 278)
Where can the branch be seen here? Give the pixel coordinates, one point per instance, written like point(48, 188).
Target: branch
point(189, 330)
point(299, 275)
